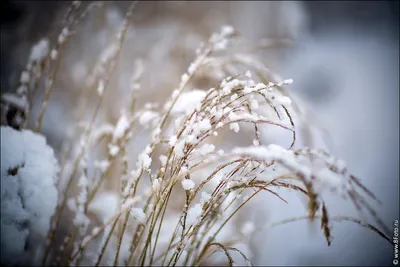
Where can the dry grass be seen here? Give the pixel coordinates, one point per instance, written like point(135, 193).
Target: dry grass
point(152, 193)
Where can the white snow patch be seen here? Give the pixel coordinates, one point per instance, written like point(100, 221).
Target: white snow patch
point(188, 184)
point(188, 101)
point(28, 193)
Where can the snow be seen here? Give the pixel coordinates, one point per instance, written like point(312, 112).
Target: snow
point(156, 135)
point(206, 149)
point(259, 86)
point(53, 54)
point(20, 102)
point(147, 150)
point(227, 30)
point(235, 127)
point(28, 193)
point(13, 233)
point(188, 101)
point(138, 214)
point(103, 129)
point(254, 104)
point(193, 214)
point(80, 72)
point(275, 152)
point(138, 71)
point(121, 127)
point(234, 97)
point(288, 81)
point(184, 79)
point(83, 181)
point(63, 35)
point(256, 142)
point(113, 150)
point(144, 160)
point(163, 160)
point(282, 100)
point(227, 89)
point(156, 185)
point(203, 125)
point(205, 197)
point(219, 40)
point(96, 230)
point(221, 45)
point(104, 205)
point(188, 184)
point(179, 148)
point(192, 68)
point(25, 77)
point(23, 89)
point(147, 117)
point(191, 139)
point(329, 180)
point(248, 90)
point(248, 74)
point(172, 140)
point(248, 228)
point(100, 87)
point(175, 93)
point(184, 169)
point(39, 51)
point(102, 165)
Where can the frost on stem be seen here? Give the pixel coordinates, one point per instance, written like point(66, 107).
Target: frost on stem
point(188, 184)
point(188, 102)
point(121, 127)
point(39, 51)
point(63, 35)
point(138, 214)
point(148, 117)
point(17, 105)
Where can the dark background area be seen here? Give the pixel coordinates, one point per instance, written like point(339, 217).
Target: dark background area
point(366, 14)
point(24, 21)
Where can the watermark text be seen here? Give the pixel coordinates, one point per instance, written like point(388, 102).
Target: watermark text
point(396, 242)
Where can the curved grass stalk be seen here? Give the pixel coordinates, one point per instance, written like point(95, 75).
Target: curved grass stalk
point(337, 219)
